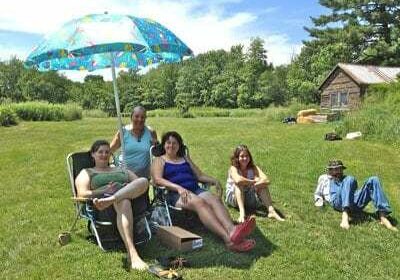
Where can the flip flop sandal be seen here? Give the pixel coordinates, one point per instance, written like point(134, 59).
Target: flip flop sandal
point(244, 246)
point(162, 273)
point(243, 230)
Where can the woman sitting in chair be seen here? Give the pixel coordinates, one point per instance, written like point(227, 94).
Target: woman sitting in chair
point(180, 176)
point(113, 186)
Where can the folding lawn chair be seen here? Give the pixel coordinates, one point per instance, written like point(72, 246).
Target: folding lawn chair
point(102, 224)
point(163, 212)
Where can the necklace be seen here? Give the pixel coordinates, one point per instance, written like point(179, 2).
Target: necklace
point(139, 136)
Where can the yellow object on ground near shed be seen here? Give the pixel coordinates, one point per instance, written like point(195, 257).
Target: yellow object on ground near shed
point(310, 116)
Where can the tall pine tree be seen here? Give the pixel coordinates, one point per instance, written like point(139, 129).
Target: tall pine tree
point(367, 30)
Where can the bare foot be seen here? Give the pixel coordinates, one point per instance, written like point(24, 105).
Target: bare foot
point(274, 215)
point(139, 264)
point(385, 222)
point(103, 203)
point(345, 225)
point(345, 220)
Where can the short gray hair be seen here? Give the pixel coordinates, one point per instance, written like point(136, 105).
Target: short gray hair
point(137, 109)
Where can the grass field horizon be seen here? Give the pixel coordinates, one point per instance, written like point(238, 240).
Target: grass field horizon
point(36, 203)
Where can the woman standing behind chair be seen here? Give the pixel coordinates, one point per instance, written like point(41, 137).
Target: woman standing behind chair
point(138, 138)
point(113, 186)
point(180, 176)
point(247, 185)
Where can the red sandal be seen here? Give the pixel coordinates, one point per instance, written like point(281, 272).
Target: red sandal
point(243, 230)
point(244, 246)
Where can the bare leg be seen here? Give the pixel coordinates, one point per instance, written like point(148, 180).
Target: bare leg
point(386, 222)
point(345, 220)
point(219, 210)
point(130, 191)
point(265, 196)
point(125, 228)
point(239, 196)
point(206, 215)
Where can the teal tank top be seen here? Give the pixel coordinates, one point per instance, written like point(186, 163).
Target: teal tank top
point(137, 151)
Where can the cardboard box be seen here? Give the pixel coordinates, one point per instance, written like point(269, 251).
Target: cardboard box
point(179, 239)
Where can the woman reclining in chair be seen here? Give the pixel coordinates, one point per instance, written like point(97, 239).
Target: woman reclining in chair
point(180, 175)
point(113, 186)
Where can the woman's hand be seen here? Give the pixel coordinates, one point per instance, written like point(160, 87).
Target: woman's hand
point(184, 194)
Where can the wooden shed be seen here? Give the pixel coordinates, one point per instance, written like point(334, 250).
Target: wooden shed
point(347, 83)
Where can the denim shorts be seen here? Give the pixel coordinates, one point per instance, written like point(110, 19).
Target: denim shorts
point(172, 196)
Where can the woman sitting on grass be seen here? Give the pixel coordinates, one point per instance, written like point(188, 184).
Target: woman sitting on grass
point(113, 186)
point(180, 175)
point(247, 185)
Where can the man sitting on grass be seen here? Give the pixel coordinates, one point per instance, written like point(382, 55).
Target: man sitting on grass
point(341, 192)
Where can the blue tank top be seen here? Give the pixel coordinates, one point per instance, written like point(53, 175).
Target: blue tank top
point(181, 174)
point(137, 151)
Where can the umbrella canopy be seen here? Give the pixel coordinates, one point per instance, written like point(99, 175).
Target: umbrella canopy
point(104, 40)
point(86, 44)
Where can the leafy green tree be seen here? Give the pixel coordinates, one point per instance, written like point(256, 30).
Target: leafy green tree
point(249, 95)
point(273, 86)
point(98, 94)
point(46, 86)
point(10, 72)
point(225, 89)
point(159, 86)
point(130, 91)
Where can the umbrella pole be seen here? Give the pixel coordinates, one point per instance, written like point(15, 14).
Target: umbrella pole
point(117, 105)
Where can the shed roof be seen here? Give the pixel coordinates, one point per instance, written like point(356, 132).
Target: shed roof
point(366, 74)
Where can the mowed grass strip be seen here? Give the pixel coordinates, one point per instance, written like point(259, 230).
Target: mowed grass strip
point(36, 206)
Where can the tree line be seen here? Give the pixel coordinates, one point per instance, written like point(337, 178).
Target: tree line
point(358, 31)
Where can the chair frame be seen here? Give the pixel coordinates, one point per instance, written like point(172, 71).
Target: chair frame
point(84, 207)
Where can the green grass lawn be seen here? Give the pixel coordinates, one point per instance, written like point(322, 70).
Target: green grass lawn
point(36, 206)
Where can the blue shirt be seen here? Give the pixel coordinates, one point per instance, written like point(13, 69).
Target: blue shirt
point(137, 151)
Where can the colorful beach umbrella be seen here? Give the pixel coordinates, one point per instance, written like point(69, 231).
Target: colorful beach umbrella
point(101, 41)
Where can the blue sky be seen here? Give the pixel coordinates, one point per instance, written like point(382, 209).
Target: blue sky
point(202, 25)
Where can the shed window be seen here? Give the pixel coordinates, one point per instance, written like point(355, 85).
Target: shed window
point(339, 99)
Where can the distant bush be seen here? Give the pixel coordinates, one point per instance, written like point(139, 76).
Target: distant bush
point(271, 113)
point(72, 112)
point(379, 116)
point(42, 111)
point(7, 116)
point(95, 113)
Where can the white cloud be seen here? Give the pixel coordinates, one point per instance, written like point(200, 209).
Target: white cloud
point(202, 27)
point(280, 50)
point(6, 52)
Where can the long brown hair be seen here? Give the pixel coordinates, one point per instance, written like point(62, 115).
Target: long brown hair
point(235, 157)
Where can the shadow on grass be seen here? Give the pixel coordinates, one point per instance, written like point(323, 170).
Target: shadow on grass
point(360, 217)
point(214, 253)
